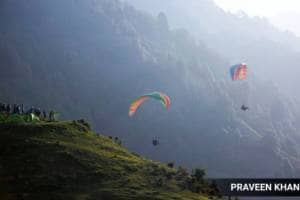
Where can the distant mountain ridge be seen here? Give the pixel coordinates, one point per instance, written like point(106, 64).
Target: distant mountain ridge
point(272, 54)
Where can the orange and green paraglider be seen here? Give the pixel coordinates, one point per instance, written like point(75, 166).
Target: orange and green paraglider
point(163, 98)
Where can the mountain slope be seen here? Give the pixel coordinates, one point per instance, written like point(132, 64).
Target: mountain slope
point(65, 160)
point(236, 37)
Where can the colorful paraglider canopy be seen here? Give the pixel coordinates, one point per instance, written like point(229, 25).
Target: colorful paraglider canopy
point(238, 72)
point(163, 98)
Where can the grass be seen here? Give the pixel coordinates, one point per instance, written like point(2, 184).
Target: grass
point(66, 160)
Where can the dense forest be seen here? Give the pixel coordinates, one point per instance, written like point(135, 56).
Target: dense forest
point(91, 58)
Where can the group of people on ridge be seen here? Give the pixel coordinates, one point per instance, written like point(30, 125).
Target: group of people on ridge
point(19, 109)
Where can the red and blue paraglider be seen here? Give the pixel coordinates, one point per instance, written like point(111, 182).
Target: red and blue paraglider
point(238, 72)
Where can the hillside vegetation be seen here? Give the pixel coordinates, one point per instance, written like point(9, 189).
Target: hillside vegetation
point(66, 160)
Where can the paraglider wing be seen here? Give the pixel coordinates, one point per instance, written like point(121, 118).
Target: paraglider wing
point(238, 72)
point(167, 101)
point(136, 104)
point(163, 98)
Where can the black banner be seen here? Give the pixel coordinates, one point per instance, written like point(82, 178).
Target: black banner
point(258, 187)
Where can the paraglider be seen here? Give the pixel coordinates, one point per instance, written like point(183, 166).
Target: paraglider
point(155, 142)
point(163, 98)
point(244, 108)
point(238, 72)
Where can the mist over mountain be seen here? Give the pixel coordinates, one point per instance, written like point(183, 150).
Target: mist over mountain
point(92, 58)
point(287, 21)
point(271, 53)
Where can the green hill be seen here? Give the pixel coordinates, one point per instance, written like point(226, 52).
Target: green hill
point(66, 160)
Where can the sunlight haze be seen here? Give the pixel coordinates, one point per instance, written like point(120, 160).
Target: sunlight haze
point(283, 14)
point(260, 7)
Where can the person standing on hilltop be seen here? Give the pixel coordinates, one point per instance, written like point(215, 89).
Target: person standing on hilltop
point(22, 109)
point(44, 115)
point(2, 107)
point(37, 112)
point(14, 109)
point(8, 108)
point(51, 116)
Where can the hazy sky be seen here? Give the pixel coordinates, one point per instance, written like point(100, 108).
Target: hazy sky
point(261, 7)
point(285, 14)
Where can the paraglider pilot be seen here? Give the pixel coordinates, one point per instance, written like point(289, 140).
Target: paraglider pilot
point(244, 108)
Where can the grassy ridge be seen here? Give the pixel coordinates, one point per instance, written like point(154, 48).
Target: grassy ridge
point(66, 160)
